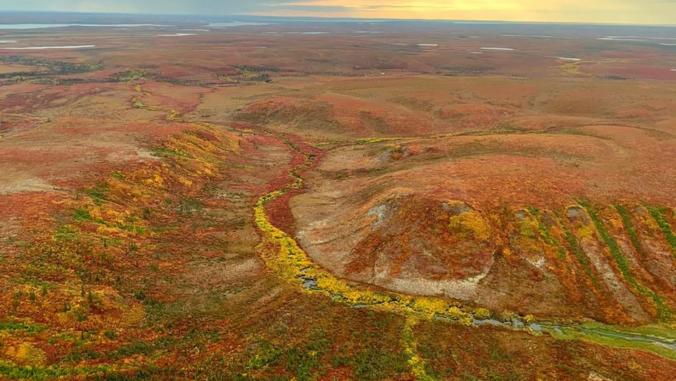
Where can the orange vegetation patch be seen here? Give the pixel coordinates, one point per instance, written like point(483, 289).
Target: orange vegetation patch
point(109, 230)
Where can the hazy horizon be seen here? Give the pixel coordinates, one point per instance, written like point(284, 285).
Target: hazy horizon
point(628, 12)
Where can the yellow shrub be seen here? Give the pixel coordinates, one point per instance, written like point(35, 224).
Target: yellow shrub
point(482, 313)
point(429, 306)
point(27, 354)
point(471, 222)
point(586, 231)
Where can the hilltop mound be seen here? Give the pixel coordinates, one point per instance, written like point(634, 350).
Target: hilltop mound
point(560, 225)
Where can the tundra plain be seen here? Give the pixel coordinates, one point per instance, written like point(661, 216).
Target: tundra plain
point(337, 201)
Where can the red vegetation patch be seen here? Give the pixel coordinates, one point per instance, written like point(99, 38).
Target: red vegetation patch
point(179, 98)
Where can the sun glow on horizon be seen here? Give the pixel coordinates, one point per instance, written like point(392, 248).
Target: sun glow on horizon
point(598, 11)
point(580, 11)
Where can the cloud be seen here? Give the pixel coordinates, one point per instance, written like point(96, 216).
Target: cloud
point(318, 9)
point(215, 7)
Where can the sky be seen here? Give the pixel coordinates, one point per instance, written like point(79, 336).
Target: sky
point(587, 11)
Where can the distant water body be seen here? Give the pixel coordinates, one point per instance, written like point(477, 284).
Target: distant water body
point(234, 24)
point(176, 35)
point(571, 59)
point(43, 26)
point(52, 47)
point(498, 49)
